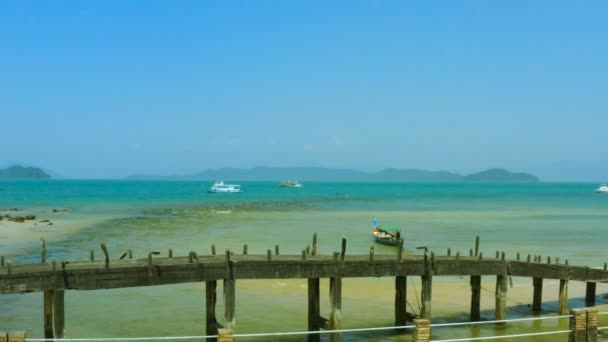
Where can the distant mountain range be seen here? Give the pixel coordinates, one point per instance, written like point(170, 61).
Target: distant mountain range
point(20, 172)
point(348, 175)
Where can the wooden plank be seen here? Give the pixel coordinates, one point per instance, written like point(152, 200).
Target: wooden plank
point(475, 298)
point(400, 300)
point(537, 297)
point(314, 309)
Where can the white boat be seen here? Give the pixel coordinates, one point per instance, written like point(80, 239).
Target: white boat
point(221, 187)
point(603, 188)
point(291, 184)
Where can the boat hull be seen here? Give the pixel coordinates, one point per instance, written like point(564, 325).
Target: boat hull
point(387, 239)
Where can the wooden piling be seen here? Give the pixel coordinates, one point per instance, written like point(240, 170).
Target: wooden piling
point(422, 330)
point(590, 294)
point(58, 313)
point(2, 261)
point(537, 297)
point(335, 304)
point(229, 303)
point(245, 249)
point(400, 300)
point(43, 251)
point(92, 255)
point(276, 249)
point(212, 249)
point(475, 297)
point(477, 245)
point(211, 300)
point(48, 313)
point(314, 309)
point(426, 296)
point(501, 297)
point(131, 253)
point(105, 252)
point(577, 326)
point(563, 297)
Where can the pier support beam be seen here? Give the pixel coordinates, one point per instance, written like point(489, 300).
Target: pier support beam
point(590, 294)
point(563, 297)
point(475, 297)
point(48, 313)
point(537, 297)
point(335, 302)
point(54, 313)
point(400, 300)
point(211, 299)
point(229, 303)
point(314, 313)
point(426, 296)
point(501, 297)
point(59, 313)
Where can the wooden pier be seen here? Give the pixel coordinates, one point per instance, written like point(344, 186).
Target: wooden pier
point(55, 277)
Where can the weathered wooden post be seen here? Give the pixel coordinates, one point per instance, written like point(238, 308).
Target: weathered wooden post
point(578, 326)
point(48, 313)
point(229, 295)
point(400, 300)
point(591, 324)
point(475, 297)
point(211, 299)
point(335, 295)
point(537, 298)
point(477, 245)
point(563, 297)
point(427, 288)
point(314, 309)
point(43, 251)
point(422, 330)
point(590, 294)
point(501, 297)
point(58, 313)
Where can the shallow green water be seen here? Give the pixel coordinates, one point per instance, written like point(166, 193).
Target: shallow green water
point(568, 221)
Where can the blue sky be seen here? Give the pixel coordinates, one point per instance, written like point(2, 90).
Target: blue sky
point(102, 89)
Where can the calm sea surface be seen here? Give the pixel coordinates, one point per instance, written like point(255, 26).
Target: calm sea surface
point(562, 220)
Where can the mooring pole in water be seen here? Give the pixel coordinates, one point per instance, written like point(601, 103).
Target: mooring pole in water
point(335, 305)
point(477, 245)
point(48, 313)
point(58, 313)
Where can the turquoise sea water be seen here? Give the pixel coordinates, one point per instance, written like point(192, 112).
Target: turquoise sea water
point(562, 220)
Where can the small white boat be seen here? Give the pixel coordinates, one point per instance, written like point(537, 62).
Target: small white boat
point(603, 188)
point(221, 187)
point(291, 184)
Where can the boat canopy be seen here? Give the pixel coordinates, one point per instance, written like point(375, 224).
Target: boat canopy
point(389, 228)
